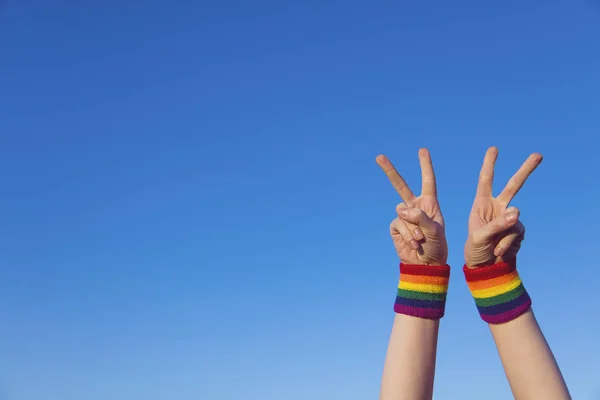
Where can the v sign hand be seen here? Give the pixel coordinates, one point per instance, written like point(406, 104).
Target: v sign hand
point(495, 232)
point(418, 233)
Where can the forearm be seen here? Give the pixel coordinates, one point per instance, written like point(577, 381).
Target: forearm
point(528, 362)
point(410, 362)
point(503, 302)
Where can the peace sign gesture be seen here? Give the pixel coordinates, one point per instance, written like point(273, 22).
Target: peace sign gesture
point(418, 232)
point(495, 233)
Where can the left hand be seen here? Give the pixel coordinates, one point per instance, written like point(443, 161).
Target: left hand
point(418, 233)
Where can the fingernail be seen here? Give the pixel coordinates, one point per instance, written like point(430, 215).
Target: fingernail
point(414, 244)
point(418, 234)
point(403, 212)
point(511, 217)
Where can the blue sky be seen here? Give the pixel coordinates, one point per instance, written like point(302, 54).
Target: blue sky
point(191, 209)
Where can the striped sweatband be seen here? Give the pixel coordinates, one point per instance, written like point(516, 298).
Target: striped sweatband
point(422, 291)
point(498, 292)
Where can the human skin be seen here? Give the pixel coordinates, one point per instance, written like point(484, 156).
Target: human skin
point(419, 237)
point(418, 234)
point(495, 235)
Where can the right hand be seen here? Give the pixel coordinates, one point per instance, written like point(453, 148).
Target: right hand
point(495, 232)
point(418, 233)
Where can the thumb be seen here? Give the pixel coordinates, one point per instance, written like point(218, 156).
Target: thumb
point(417, 217)
point(498, 225)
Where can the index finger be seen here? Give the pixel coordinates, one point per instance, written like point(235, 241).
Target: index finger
point(516, 182)
point(397, 181)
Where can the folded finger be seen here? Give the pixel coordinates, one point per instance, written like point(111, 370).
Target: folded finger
point(400, 227)
point(412, 225)
point(497, 226)
point(511, 242)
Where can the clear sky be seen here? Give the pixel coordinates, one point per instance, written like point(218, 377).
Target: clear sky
point(191, 209)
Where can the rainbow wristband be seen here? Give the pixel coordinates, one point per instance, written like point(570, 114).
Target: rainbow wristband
point(498, 292)
point(422, 291)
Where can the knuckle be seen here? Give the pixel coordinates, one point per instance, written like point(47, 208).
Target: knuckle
point(513, 210)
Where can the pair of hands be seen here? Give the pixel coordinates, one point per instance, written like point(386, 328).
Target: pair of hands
point(495, 232)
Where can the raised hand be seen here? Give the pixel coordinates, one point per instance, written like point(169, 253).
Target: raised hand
point(418, 233)
point(495, 232)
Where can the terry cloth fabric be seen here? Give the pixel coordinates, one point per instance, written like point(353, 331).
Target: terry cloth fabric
point(498, 292)
point(422, 290)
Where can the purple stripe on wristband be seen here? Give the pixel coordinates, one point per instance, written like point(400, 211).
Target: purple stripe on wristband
point(508, 315)
point(419, 312)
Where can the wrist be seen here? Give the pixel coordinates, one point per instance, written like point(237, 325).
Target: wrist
point(422, 290)
point(491, 261)
point(498, 291)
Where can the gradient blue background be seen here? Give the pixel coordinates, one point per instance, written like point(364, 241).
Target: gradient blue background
point(190, 206)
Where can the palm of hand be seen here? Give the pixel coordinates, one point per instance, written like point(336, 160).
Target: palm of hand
point(484, 211)
point(488, 213)
point(434, 247)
